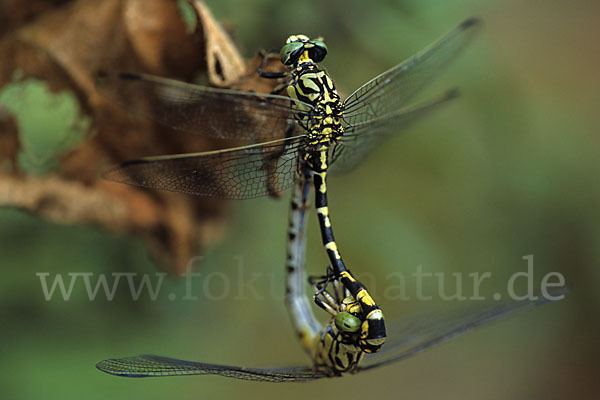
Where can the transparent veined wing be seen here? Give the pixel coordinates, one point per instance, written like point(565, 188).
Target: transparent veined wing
point(211, 112)
point(362, 139)
point(154, 366)
point(412, 336)
point(391, 91)
point(237, 173)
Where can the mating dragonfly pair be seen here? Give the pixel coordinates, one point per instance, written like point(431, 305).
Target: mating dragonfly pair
point(299, 138)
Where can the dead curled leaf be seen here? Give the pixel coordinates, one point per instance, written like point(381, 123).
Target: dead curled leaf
point(224, 63)
point(66, 44)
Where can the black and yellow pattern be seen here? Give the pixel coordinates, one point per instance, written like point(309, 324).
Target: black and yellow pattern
point(298, 138)
point(309, 84)
point(282, 131)
point(310, 128)
point(339, 347)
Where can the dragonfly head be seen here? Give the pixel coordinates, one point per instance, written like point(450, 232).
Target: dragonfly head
point(299, 48)
point(370, 335)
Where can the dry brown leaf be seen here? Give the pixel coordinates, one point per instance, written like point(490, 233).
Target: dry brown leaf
point(67, 46)
point(14, 13)
point(225, 64)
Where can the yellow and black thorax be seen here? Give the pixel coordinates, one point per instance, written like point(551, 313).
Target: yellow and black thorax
point(312, 86)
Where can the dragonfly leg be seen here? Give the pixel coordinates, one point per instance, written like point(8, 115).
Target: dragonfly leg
point(323, 302)
point(320, 282)
point(322, 297)
point(266, 74)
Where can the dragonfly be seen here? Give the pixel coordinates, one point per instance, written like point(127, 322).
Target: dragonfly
point(321, 133)
point(334, 348)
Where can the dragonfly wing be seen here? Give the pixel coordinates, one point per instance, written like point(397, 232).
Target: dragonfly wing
point(153, 366)
point(392, 90)
point(420, 333)
point(361, 139)
point(238, 173)
point(211, 112)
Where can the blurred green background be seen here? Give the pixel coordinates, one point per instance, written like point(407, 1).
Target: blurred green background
point(508, 170)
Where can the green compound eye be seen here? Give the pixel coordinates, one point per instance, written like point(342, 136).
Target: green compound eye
point(291, 52)
point(319, 51)
point(347, 323)
point(319, 43)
